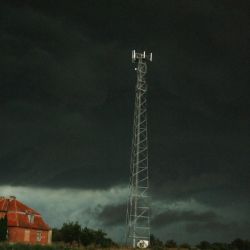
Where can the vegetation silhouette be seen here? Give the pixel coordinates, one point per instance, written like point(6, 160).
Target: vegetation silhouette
point(72, 236)
point(73, 233)
point(3, 228)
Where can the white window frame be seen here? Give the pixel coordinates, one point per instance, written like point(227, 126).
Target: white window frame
point(39, 236)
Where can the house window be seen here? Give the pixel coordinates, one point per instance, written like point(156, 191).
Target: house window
point(31, 218)
point(38, 236)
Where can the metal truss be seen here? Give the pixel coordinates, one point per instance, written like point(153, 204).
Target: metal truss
point(138, 209)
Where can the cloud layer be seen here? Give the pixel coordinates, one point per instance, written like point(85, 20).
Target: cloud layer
point(66, 109)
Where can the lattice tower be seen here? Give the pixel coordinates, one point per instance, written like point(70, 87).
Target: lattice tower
point(138, 207)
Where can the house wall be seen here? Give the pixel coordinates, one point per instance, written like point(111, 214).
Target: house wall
point(29, 236)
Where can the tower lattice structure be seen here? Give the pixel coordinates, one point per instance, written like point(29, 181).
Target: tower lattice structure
point(138, 207)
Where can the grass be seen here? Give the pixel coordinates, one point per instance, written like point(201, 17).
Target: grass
point(6, 246)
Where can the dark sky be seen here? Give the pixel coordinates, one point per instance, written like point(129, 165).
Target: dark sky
point(66, 109)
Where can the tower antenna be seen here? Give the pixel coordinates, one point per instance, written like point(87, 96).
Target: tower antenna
point(138, 217)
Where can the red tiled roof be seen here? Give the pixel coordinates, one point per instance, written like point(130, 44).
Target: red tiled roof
point(20, 215)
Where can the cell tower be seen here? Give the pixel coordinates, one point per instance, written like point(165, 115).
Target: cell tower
point(138, 219)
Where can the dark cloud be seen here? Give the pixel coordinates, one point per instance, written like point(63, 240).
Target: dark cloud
point(210, 227)
point(172, 216)
point(224, 230)
point(66, 82)
point(113, 215)
point(56, 103)
point(67, 91)
point(191, 225)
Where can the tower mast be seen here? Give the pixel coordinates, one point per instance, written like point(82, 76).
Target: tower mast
point(138, 219)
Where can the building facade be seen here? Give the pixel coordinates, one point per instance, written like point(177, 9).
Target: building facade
point(25, 225)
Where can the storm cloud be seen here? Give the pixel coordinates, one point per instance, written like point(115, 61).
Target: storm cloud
point(66, 106)
point(169, 217)
point(113, 215)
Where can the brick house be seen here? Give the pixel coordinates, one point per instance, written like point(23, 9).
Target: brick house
point(25, 225)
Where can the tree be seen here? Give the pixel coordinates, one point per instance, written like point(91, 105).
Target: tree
point(89, 236)
point(56, 235)
point(100, 237)
point(170, 244)
point(3, 228)
point(219, 246)
point(204, 245)
point(155, 242)
point(185, 245)
point(239, 244)
point(71, 232)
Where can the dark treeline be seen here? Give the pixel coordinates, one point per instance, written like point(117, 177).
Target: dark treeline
point(73, 233)
point(3, 228)
point(237, 244)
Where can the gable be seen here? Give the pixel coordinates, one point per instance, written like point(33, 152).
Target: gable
point(20, 215)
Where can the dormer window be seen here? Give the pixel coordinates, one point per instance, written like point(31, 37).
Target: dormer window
point(31, 218)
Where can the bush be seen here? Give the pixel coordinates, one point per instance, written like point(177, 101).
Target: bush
point(72, 233)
